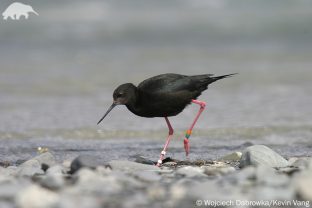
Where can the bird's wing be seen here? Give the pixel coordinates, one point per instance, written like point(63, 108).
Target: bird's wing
point(166, 83)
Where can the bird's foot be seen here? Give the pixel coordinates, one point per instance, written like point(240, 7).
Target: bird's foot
point(186, 146)
point(162, 155)
point(159, 162)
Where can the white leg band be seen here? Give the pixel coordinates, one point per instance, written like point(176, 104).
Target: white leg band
point(159, 161)
point(163, 152)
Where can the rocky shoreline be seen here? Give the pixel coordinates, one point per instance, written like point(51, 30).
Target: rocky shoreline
point(240, 179)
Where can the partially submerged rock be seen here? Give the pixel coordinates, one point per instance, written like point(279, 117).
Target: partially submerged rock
point(261, 155)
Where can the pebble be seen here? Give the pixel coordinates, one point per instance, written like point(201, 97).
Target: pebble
point(303, 184)
point(235, 156)
point(261, 155)
point(128, 166)
point(35, 196)
point(157, 192)
point(89, 181)
point(268, 176)
point(45, 158)
point(131, 184)
point(30, 168)
point(301, 163)
point(56, 170)
point(52, 181)
point(83, 161)
point(189, 171)
point(211, 170)
point(8, 171)
point(148, 176)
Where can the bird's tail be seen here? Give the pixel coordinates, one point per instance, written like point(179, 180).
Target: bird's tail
point(204, 80)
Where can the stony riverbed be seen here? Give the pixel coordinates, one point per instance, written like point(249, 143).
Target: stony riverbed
point(257, 174)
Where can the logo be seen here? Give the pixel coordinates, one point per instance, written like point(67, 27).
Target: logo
point(16, 10)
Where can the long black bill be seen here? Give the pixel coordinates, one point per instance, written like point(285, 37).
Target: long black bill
point(110, 108)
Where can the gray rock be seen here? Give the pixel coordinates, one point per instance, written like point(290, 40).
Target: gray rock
point(6, 204)
point(56, 170)
point(138, 199)
point(261, 155)
point(301, 163)
point(212, 190)
point(45, 158)
point(269, 177)
point(125, 180)
point(273, 193)
point(129, 166)
point(148, 176)
point(89, 181)
point(310, 164)
point(235, 156)
point(8, 171)
point(11, 186)
point(83, 161)
point(211, 170)
point(289, 170)
point(53, 182)
point(243, 177)
point(292, 160)
point(178, 191)
point(36, 197)
point(102, 170)
point(189, 171)
point(303, 184)
point(30, 168)
point(156, 192)
point(83, 201)
point(143, 160)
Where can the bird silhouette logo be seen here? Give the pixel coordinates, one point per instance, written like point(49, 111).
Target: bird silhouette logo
point(16, 10)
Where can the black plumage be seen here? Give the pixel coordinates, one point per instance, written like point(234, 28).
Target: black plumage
point(164, 95)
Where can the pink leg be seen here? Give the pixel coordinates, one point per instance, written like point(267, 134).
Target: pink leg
point(189, 131)
point(159, 162)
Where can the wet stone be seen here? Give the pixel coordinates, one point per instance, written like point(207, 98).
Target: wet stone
point(262, 155)
point(83, 161)
point(143, 160)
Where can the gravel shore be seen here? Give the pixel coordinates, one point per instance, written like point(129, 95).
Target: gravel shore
point(255, 177)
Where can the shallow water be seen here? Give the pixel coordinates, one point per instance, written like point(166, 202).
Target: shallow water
point(58, 72)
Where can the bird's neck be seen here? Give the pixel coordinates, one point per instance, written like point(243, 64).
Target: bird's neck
point(134, 104)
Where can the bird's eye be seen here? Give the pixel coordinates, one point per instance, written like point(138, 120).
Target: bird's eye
point(120, 94)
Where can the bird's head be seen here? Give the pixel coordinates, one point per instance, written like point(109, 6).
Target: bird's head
point(123, 95)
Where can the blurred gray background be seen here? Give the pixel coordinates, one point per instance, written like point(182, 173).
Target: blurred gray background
point(58, 70)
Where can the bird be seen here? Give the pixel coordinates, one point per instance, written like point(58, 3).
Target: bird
point(164, 95)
